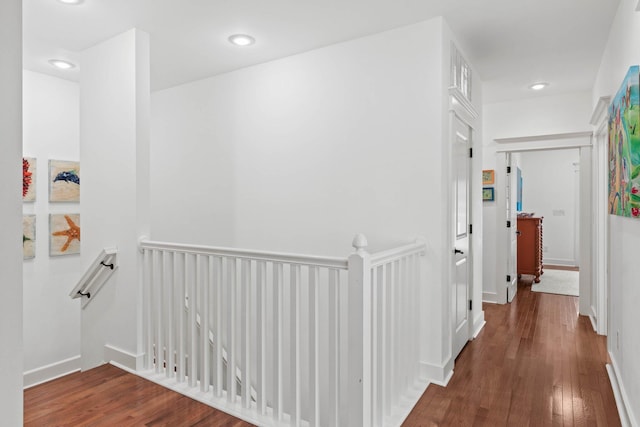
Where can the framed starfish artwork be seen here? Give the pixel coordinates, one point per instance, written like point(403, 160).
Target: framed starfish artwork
point(28, 236)
point(64, 238)
point(28, 179)
point(64, 181)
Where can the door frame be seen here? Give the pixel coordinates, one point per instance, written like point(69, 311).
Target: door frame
point(454, 232)
point(562, 141)
point(460, 108)
point(599, 309)
point(511, 230)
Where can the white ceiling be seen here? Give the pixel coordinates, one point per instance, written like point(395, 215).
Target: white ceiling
point(511, 43)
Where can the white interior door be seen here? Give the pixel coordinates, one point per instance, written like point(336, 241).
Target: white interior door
point(460, 284)
point(511, 194)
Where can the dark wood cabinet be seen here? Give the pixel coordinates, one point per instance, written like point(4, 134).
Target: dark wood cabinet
point(530, 247)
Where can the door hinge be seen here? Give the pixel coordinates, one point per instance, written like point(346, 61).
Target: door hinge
point(470, 305)
point(508, 278)
point(508, 224)
point(470, 152)
point(508, 169)
point(470, 228)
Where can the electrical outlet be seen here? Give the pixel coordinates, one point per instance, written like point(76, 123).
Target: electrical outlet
point(545, 249)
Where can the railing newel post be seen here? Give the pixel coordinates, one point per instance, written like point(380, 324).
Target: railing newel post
point(359, 351)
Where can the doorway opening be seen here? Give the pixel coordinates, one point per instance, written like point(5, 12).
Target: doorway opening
point(509, 150)
point(548, 221)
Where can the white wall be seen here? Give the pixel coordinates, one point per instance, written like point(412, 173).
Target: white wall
point(528, 117)
point(622, 52)
point(114, 130)
point(239, 147)
point(301, 153)
point(551, 190)
point(51, 318)
point(11, 350)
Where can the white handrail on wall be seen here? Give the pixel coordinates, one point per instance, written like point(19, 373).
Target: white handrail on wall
point(286, 338)
point(96, 276)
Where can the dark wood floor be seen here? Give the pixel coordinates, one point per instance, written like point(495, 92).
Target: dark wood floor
point(536, 363)
point(108, 396)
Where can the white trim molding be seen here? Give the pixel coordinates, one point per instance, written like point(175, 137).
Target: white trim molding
point(556, 141)
point(600, 229)
point(51, 372)
point(192, 392)
point(408, 403)
point(592, 318)
point(600, 110)
point(467, 106)
point(627, 418)
point(560, 262)
point(121, 357)
point(490, 297)
point(546, 137)
point(478, 324)
point(437, 374)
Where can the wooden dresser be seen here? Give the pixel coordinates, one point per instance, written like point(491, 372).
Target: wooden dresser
point(530, 247)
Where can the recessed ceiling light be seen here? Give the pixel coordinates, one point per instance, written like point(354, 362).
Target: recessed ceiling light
point(71, 1)
point(538, 86)
point(62, 64)
point(242, 40)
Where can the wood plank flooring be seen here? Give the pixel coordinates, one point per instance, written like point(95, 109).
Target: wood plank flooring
point(108, 396)
point(536, 363)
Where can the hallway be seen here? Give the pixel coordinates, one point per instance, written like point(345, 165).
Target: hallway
point(536, 362)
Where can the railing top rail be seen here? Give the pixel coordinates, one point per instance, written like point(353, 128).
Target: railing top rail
point(314, 260)
point(390, 255)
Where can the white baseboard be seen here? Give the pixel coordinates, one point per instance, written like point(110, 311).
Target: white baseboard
point(491, 297)
point(208, 398)
point(407, 403)
point(627, 417)
point(561, 262)
point(478, 324)
point(122, 358)
point(50, 372)
point(437, 374)
point(594, 324)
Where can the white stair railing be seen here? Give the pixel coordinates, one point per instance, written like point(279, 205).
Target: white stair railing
point(285, 338)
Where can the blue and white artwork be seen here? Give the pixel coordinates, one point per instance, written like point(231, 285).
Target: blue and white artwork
point(64, 181)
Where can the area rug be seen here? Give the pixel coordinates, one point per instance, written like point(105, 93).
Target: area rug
point(560, 282)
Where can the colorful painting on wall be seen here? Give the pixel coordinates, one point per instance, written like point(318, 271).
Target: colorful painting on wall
point(28, 179)
point(488, 194)
point(65, 234)
point(28, 236)
point(64, 181)
point(488, 176)
point(624, 148)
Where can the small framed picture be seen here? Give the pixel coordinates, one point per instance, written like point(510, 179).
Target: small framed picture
point(28, 236)
point(28, 179)
point(488, 176)
point(64, 234)
point(488, 194)
point(64, 181)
